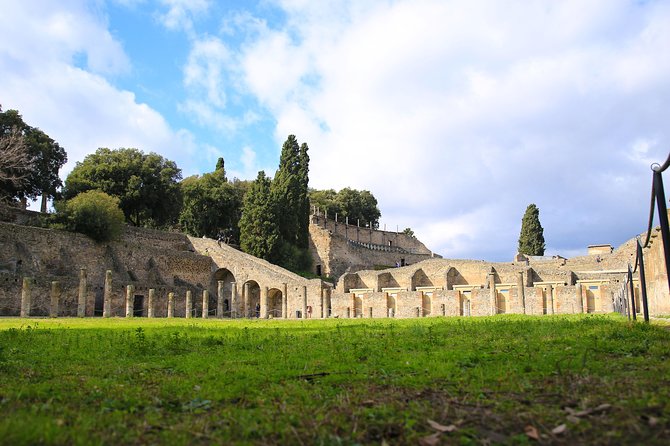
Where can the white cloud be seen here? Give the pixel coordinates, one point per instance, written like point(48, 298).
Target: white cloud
point(453, 109)
point(75, 104)
point(180, 13)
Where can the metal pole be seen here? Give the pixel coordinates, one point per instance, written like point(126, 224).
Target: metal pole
point(663, 219)
point(632, 293)
point(643, 282)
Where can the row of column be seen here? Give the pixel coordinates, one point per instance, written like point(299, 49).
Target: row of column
point(26, 299)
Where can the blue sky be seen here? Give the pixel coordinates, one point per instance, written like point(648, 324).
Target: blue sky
point(455, 114)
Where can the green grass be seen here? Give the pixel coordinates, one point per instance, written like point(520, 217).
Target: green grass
point(334, 382)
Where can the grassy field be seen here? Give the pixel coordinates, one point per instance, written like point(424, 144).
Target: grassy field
point(503, 379)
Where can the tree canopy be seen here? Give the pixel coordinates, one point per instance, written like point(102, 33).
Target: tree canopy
point(47, 158)
point(212, 206)
point(93, 213)
point(531, 239)
point(359, 206)
point(146, 184)
point(259, 233)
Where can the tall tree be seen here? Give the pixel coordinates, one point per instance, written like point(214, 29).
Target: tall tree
point(146, 184)
point(359, 206)
point(16, 164)
point(259, 234)
point(303, 198)
point(285, 191)
point(47, 155)
point(212, 206)
point(531, 239)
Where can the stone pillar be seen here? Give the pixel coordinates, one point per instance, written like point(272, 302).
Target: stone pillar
point(55, 295)
point(245, 297)
point(205, 304)
point(188, 311)
point(150, 305)
point(81, 297)
point(284, 301)
point(492, 293)
point(304, 302)
point(579, 298)
point(264, 302)
point(550, 299)
point(521, 292)
point(219, 299)
point(233, 300)
point(130, 300)
point(323, 303)
point(170, 308)
point(107, 300)
point(25, 297)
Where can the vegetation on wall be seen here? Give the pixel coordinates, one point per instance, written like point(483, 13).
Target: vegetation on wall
point(531, 239)
point(93, 213)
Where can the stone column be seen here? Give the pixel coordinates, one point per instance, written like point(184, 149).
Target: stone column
point(492, 293)
point(25, 297)
point(107, 300)
point(304, 302)
point(55, 294)
point(521, 292)
point(170, 308)
point(189, 305)
point(233, 300)
point(284, 301)
point(219, 299)
point(550, 299)
point(130, 300)
point(245, 297)
point(579, 298)
point(150, 304)
point(205, 304)
point(264, 302)
point(323, 303)
point(81, 297)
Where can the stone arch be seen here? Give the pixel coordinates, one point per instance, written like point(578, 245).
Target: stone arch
point(228, 306)
point(419, 278)
point(252, 298)
point(275, 297)
point(387, 280)
point(352, 280)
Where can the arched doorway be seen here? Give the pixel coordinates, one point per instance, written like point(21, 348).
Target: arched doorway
point(226, 304)
point(391, 304)
point(275, 303)
point(252, 298)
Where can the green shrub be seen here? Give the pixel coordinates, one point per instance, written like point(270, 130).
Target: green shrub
point(93, 213)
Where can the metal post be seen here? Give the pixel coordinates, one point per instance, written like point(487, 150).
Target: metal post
point(632, 293)
point(663, 219)
point(643, 282)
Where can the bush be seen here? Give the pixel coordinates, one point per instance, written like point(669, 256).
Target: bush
point(93, 213)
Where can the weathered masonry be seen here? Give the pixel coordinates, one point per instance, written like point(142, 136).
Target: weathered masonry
point(46, 272)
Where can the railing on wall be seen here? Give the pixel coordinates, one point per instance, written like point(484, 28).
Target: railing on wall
point(626, 294)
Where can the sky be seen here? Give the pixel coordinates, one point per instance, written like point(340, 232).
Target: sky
point(455, 114)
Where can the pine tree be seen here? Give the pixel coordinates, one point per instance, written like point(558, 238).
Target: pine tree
point(259, 235)
point(303, 197)
point(531, 239)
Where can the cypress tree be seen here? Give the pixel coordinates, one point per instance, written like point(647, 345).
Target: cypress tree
point(303, 197)
point(259, 235)
point(531, 239)
point(285, 191)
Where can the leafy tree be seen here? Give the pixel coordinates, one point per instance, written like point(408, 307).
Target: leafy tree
point(16, 164)
point(146, 184)
point(531, 239)
point(211, 206)
point(47, 155)
point(93, 213)
point(259, 234)
point(352, 203)
point(408, 232)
